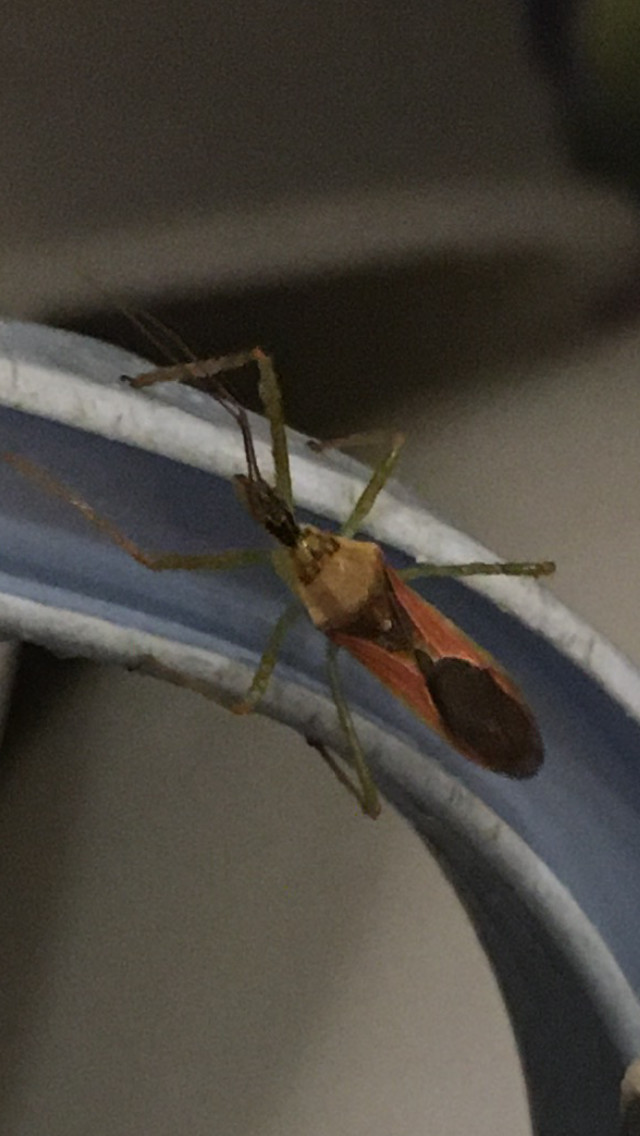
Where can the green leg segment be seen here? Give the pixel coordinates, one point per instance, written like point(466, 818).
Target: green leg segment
point(478, 568)
point(376, 483)
point(365, 790)
point(157, 562)
point(268, 660)
point(271, 397)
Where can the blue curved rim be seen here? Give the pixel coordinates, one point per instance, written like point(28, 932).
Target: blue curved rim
point(578, 821)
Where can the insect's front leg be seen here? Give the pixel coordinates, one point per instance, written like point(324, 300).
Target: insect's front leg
point(271, 398)
point(203, 374)
point(379, 477)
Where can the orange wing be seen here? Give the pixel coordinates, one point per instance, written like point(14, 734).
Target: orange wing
point(457, 688)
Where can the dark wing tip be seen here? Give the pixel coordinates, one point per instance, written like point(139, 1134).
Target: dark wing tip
point(488, 723)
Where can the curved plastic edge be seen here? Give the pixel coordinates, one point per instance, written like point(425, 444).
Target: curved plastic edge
point(536, 929)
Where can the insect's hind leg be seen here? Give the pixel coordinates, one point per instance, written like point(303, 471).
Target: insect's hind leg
point(363, 788)
point(149, 665)
point(343, 777)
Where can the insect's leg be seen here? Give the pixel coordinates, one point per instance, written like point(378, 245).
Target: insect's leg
point(148, 665)
point(478, 568)
point(340, 774)
point(376, 483)
point(200, 374)
point(204, 375)
point(271, 398)
point(363, 789)
point(268, 660)
point(385, 438)
point(157, 562)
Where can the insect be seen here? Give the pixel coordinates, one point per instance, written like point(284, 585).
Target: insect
point(358, 601)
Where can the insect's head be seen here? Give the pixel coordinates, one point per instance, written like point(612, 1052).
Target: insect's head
point(268, 509)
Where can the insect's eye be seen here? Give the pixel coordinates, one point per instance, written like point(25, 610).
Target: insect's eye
point(483, 717)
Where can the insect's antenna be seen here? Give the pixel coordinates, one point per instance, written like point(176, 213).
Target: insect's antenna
point(167, 341)
point(200, 376)
point(203, 376)
point(145, 321)
point(161, 338)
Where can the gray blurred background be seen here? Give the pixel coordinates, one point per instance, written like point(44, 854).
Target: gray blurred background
point(201, 934)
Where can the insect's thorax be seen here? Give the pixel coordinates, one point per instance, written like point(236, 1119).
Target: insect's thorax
point(342, 583)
